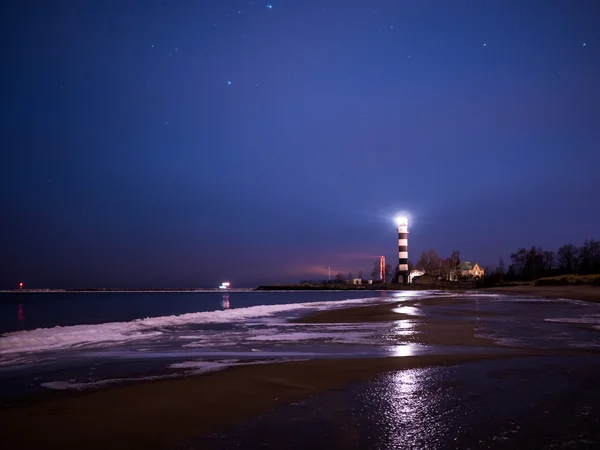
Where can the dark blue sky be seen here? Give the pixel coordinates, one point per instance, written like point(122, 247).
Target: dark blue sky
point(183, 143)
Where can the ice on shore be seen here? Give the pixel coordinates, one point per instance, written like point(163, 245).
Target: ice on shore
point(76, 336)
point(193, 368)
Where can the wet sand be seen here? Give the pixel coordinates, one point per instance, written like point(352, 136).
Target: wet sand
point(513, 403)
point(371, 313)
point(427, 331)
point(167, 413)
point(585, 293)
point(163, 414)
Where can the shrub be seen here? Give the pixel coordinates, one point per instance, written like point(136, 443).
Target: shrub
point(569, 280)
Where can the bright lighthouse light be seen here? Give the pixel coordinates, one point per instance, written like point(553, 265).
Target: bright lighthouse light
point(401, 220)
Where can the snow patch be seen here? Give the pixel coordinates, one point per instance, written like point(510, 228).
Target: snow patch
point(68, 337)
point(204, 366)
point(73, 385)
point(197, 368)
point(298, 337)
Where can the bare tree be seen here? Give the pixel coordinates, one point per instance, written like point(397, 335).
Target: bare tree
point(589, 256)
point(455, 258)
point(519, 261)
point(533, 262)
point(423, 261)
point(566, 258)
point(538, 262)
point(340, 277)
point(391, 275)
point(500, 270)
point(429, 262)
point(434, 263)
point(546, 262)
point(446, 267)
point(376, 269)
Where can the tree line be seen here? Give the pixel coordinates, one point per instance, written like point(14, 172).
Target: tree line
point(429, 262)
point(526, 264)
point(531, 264)
point(437, 266)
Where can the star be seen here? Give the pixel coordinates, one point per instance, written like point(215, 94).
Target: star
point(229, 83)
point(269, 6)
point(485, 45)
point(585, 44)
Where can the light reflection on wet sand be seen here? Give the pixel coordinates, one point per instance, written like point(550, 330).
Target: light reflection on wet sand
point(493, 404)
point(530, 402)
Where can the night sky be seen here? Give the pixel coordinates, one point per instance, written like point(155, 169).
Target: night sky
point(184, 143)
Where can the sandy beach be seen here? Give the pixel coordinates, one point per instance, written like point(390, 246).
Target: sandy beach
point(163, 414)
point(158, 415)
point(168, 413)
point(586, 293)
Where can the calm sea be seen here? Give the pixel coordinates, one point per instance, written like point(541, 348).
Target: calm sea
point(28, 311)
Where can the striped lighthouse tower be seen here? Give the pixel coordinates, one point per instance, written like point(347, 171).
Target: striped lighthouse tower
point(403, 250)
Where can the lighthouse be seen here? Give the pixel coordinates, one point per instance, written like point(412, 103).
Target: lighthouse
point(402, 250)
